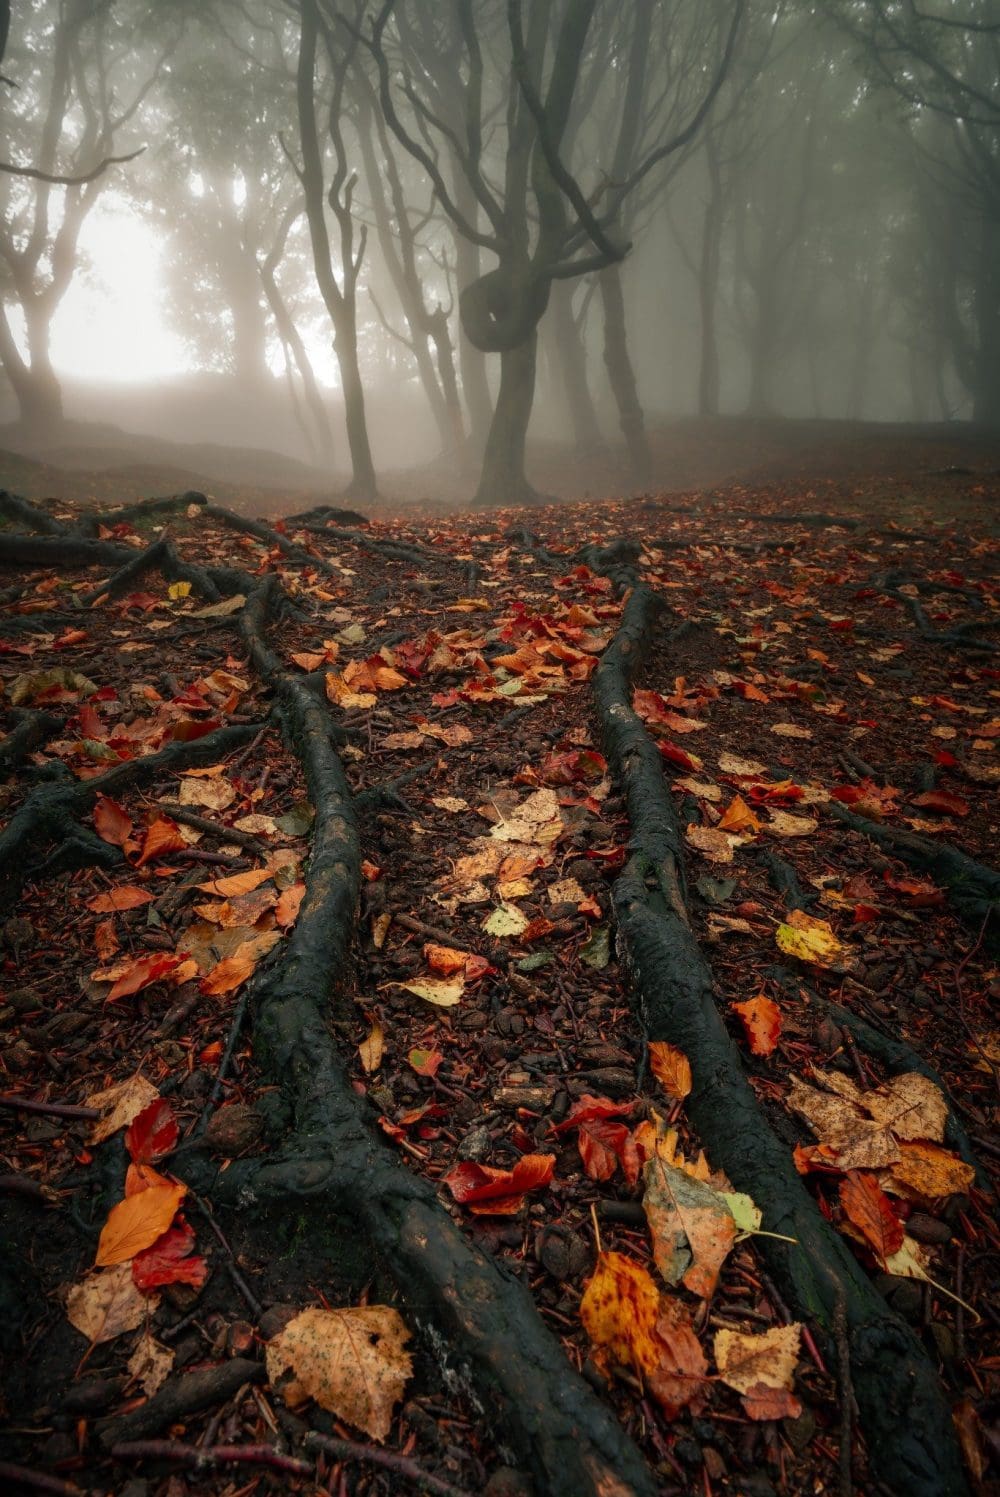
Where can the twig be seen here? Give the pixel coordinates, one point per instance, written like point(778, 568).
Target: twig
point(49, 1109)
point(210, 1455)
point(40, 1481)
point(399, 1465)
point(431, 932)
point(239, 1014)
point(231, 834)
point(234, 1273)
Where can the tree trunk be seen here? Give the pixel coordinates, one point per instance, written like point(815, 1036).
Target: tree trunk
point(441, 338)
point(986, 394)
point(34, 381)
point(621, 375)
point(345, 343)
point(571, 353)
point(708, 290)
point(503, 479)
point(762, 348)
point(471, 362)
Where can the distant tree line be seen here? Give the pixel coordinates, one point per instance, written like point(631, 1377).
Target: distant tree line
point(471, 191)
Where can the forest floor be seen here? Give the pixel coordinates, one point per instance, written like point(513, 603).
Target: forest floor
point(561, 972)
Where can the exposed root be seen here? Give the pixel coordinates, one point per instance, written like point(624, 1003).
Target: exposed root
point(903, 1410)
point(274, 538)
point(973, 888)
point(13, 507)
point(33, 729)
point(480, 1320)
point(171, 504)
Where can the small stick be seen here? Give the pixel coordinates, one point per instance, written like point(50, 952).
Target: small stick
point(432, 932)
point(49, 1109)
point(400, 1465)
point(239, 1014)
point(960, 1353)
point(39, 1481)
point(234, 1273)
point(213, 829)
point(209, 1455)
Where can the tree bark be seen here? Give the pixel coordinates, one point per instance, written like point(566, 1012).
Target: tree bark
point(503, 479)
point(34, 381)
point(571, 353)
point(708, 288)
point(363, 484)
point(621, 375)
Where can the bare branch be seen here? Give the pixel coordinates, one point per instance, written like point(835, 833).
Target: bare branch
point(55, 180)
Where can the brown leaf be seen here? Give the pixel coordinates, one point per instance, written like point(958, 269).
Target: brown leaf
point(692, 1227)
point(107, 1304)
point(925, 1173)
point(352, 1362)
point(745, 1362)
point(761, 1019)
point(119, 1105)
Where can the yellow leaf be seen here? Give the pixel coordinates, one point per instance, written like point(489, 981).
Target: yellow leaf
point(671, 1068)
point(746, 1361)
point(370, 1050)
point(738, 817)
point(808, 938)
point(445, 992)
point(179, 590)
point(135, 1223)
point(924, 1172)
point(352, 1362)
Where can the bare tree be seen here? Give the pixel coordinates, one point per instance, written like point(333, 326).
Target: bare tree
point(539, 222)
point(79, 86)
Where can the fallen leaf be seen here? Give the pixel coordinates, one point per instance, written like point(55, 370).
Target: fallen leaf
point(216, 793)
point(869, 1208)
point(106, 1304)
point(761, 1020)
point(943, 802)
point(236, 883)
point(713, 844)
point(738, 817)
point(153, 1133)
point(162, 836)
point(425, 1062)
point(111, 821)
point(596, 949)
point(808, 938)
point(443, 992)
point(136, 1223)
point(784, 824)
point(925, 1173)
point(671, 1068)
point(143, 972)
point(119, 1104)
point(475, 1185)
point(352, 1362)
point(170, 1260)
point(229, 974)
point(790, 730)
point(749, 1363)
point(692, 1227)
point(444, 960)
point(507, 920)
point(372, 1047)
point(125, 897)
point(151, 1363)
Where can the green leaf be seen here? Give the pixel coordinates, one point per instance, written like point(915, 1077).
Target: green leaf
point(596, 950)
point(297, 821)
point(534, 961)
point(715, 890)
point(508, 920)
point(745, 1213)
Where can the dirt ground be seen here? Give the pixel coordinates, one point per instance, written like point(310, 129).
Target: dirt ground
point(827, 648)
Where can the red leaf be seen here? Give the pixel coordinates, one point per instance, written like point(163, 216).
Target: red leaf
point(111, 821)
point(866, 1204)
point(602, 1146)
point(469, 1182)
point(143, 971)
point(168, 1261)
point(589, 1108)
point(153, 1134)
point(942, 801)
point(676, 755)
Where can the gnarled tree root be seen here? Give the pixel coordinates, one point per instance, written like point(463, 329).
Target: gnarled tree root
point(973, 888)
point(47, 817)
point(477, 1317)
point(903, 1411)
point(13, 507)
point(272, 537)
point(33, 729)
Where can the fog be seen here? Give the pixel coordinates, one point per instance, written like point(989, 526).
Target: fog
point(478, 247)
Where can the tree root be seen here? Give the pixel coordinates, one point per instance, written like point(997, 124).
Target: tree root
point(34, 729)
point(171, 504)
point(393, 550)
point(273, 538)
point(13, 507)
point(48, 815)
point(160, 556)
point(477, 1317)
point(973, 888)
point(179, 1397)
point(903, 1411)
point(960, 637)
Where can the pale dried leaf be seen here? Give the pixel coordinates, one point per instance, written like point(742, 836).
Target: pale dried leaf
point(352, 1362)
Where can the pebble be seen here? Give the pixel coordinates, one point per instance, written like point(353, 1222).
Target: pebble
point(476, 1144)
point(927, 1228)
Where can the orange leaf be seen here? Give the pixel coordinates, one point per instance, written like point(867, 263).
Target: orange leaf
point(671, 1068)
point(869, 1208)
point(473, 1183)
point(287, 909)
point(105, 940)
point(738, 817)
point(162, 836)
point(111, 821)
point(128, 897)
point(943, 802)
point(140, 1177)
point(227, 975)
point(761, 1019)
point(236, 883)
point(136, 1223)
point(444, 959)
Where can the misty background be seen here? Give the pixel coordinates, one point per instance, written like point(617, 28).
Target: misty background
point(364, 238)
